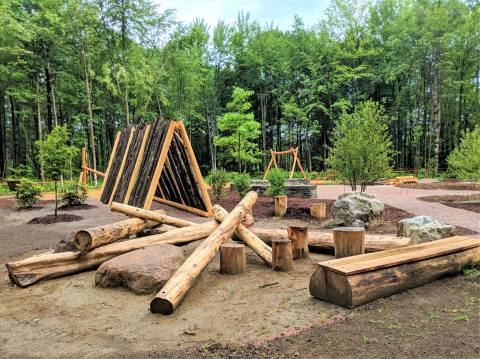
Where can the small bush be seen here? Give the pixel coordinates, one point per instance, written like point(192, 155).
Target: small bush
point(217, 179)
point(27, 194)
point(74, 196)
point(277, 178)
point(241, 183)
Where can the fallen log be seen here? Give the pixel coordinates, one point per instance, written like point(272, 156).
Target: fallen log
point(149, 215)
point(172, 294)
point(88, 239)
point(357, 280)
point(324, 241)
point(245, 235)
point(46, 266)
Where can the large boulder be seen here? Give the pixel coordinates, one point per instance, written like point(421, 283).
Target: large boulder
point(424, 229)
point(357, 209)
point(143, 271)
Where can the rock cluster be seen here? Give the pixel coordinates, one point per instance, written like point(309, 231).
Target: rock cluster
point(357, 209)
point(424, 229)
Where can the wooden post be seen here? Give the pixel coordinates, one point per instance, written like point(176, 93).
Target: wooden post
point(299, 238)
point(232, 258)
point(249, 238)
point(282, 259)
point(122, 166)
point(295, 154)
point(349, 241)
point(281, 205)
point(318, 210)
point(172, 294)
point(84, 171)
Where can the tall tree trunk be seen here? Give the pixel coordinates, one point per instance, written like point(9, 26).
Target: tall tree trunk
point(3, 140)
point(51, 92)
point(38, 121)
point(91, 135)
point(437, 113)
point(15, 133)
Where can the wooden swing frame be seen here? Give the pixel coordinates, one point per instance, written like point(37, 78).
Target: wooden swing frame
point(296, 162)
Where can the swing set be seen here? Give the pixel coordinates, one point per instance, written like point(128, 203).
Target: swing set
point(296, 162)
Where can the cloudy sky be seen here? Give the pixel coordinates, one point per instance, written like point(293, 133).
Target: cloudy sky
point(281, 12)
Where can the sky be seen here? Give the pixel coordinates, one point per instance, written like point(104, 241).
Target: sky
point(280, 12)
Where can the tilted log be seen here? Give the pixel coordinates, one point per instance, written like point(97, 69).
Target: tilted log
point(245, 235)
point(172, 294)
point(88, 239)
point(324, 241)
point(357, 280)
point(149, 215)
point(46, 266)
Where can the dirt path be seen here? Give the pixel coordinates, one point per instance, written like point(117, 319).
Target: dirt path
point(408, 200)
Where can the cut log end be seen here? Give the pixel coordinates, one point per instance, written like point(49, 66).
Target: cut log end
point(83, 240)
point(160, 305)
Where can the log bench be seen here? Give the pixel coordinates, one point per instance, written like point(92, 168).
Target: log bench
point(360, 279)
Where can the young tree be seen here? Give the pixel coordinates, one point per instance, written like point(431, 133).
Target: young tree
point(362, 147)
point(55, 154)
point(464, 161)
point(240, 128)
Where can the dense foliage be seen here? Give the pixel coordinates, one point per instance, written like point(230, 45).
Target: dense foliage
point(27, 194)
point(277, 178)
point(217, 179)
point(362, 148)
point(464, 161)
point(241, 183)
point(73, 195)
point(98, 65)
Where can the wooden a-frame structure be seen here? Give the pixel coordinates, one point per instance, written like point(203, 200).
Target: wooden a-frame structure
point(155, 162)
point(296, 162)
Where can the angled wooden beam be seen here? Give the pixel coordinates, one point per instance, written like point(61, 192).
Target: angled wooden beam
point(110, 161)
point(138, 164)
point(122, 166)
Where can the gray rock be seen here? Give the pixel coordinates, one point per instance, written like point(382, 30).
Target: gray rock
point(143, 271)
point(357, 209)
point(424, 229)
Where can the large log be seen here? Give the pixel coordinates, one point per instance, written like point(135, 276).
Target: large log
point(88, 239)
point(357, 280)
point(249, 238)
point(324, 241)
point(149, 215)
point(172, 294)
point(46, 266)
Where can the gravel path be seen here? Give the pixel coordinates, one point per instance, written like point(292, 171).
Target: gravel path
point(408, 200)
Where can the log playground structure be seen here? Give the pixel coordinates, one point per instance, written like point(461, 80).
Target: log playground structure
point(295, 162)
point(156, 163)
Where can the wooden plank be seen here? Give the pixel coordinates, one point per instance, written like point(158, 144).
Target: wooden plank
point(196, 169)
point(138, 163)
point(430, 250)
point(109, 166)
point(182, 206)
point(295, 154)
point(160, 163)
point(122, 166)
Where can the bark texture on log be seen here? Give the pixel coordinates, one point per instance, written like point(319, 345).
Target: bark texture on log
point(177, 287)
point(357, 280)
point(249, 238)
point(298, 235)
point(232, 258)
point(88, 239)
point(282, 259)
point(146, 214)
point(349, 241)
point(281, 205)
point(318, 210)
point(31, 270)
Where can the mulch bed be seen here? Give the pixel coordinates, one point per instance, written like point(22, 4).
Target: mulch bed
point(472, 207)
point(451, 198)
point(79, 207)
point(454, 185)
point(50, 219)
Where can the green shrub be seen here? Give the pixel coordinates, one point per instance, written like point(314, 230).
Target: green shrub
point(464, 161)
point(217, 179)
point(74, 196)
point(27, 194)
point(21, 171)
point(241, 182)
point(277, 178)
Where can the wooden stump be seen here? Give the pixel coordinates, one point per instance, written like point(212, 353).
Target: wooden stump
point(318, 210)
point(349, 241)
point(232, 258)
point(281, 205)
point(282, 259)
point(298, 235)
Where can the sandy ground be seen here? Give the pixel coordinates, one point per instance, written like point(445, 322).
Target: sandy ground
point(222, 316)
